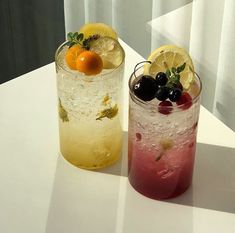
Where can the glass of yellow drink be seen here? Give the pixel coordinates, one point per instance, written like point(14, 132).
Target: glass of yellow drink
point(89, 103)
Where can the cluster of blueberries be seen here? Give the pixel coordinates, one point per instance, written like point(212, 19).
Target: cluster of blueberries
point(147, 88)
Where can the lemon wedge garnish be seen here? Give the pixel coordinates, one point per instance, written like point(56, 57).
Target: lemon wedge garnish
point(169, 56)
point(110, 51)
point(100, 29)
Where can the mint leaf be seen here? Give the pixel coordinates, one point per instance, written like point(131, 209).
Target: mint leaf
point(70, 36)
point(181, 68)
point(80, 37)
point(109, 112)
point(71, 44)
point(75, 34)
point(62, 112)
point(75, 38)
point(159, 156)
point(175, 78)
point(173, 69)
point(168, 73)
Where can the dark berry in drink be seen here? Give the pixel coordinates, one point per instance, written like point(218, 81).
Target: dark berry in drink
point(178, 85)
point(161, 79)
point(162, 93)
point(185, 101)
point(174, 94)
point(165, 107)
point(145, 88)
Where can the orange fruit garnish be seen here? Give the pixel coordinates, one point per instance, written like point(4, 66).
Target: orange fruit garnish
point(89, 63)
point(72, 55)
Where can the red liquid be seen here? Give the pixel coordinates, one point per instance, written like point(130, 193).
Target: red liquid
point(168, 177)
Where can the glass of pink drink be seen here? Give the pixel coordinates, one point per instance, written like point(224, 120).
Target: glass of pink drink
point(162, 141)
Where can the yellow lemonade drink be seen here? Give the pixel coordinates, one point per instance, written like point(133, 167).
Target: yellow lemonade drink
point(89, 97)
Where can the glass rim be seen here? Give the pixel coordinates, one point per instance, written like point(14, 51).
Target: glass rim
point(85, 77)
point(147, 104)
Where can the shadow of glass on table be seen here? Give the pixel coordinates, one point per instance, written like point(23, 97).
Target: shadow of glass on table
point(214, 180)
point(82, 200)
point(104, 201)
point(87, 201)
point(213, 184)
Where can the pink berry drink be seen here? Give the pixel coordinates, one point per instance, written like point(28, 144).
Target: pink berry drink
point(162, 138)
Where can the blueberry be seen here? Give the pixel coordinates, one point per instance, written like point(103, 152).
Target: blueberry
point(178, 85)
point(162, 93)
point(174, 94)
point(145, 88)
point(161, 79)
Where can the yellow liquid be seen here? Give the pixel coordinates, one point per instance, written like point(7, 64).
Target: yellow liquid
point(89, 115)
point(91, 144)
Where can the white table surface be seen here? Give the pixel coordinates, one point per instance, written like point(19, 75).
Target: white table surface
point(42, 193)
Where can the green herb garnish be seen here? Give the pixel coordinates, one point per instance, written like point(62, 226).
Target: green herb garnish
point(166, 144)
point(168, 73)
point(75, 38)
point(78, 38)
point(173, 75)
point(109, 112)
point(159, 156)
point(179, 69)
point(62, 112)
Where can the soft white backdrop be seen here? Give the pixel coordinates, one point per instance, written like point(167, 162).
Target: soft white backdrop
point(204, 27)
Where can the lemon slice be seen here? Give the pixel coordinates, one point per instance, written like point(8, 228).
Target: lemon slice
point(110, 51)
point(169, 56)
point(101, 29)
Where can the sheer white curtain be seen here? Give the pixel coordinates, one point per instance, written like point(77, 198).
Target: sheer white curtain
point(212, 45)
point(224, 100)
point(204, 27)
point(128, 17)
point(205, 45)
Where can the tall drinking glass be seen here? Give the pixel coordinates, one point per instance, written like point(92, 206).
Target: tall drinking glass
point(162, 146)
point(89, 114)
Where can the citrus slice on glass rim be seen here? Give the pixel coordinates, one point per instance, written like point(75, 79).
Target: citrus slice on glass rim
point(110, 51)
point(169, 56)
point(100, 29)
